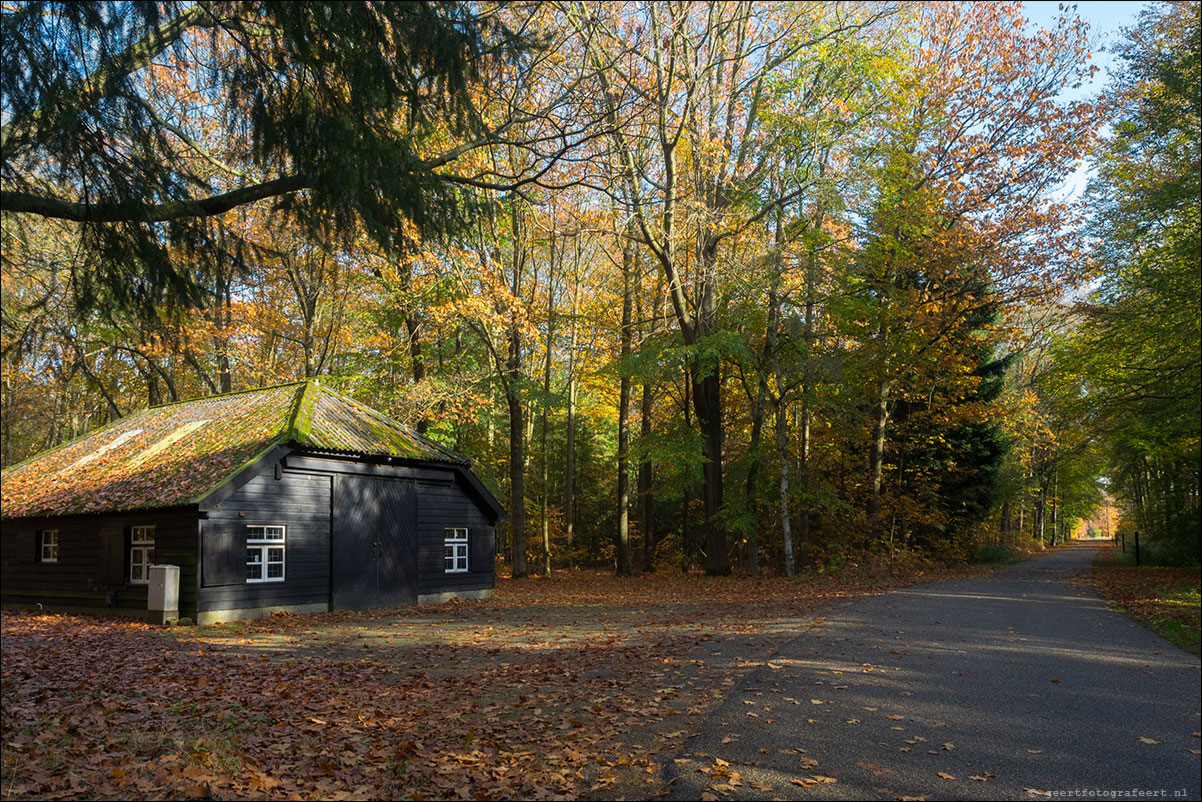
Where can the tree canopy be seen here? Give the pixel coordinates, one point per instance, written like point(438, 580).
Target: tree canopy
point(732, 286)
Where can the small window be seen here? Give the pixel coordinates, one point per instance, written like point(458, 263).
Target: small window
point(141, 554)
point(455, 551)
point(48, 546)
point(265, 553)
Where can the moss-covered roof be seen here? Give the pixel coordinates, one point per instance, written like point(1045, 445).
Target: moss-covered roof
point(179, 453)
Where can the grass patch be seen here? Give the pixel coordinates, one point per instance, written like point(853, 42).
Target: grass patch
point(1166, 600)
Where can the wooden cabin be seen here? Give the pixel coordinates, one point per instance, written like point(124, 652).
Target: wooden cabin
point(293, 498)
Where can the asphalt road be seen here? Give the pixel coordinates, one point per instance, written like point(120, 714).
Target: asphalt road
point(1020, 686)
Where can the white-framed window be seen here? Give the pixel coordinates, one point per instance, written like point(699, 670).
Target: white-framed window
point(265, 553)
point(48, 546)
point(141, 553)
point(454, 543)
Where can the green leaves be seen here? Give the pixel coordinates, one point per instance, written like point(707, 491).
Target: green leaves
point(1132, 367)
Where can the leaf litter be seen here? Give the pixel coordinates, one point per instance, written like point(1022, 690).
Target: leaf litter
point(555, 688)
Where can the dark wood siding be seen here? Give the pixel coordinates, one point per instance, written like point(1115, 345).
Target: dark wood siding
point(443, 501)
point(442, 506)
point(301, 502)
point(93, 559)
point(92, 568)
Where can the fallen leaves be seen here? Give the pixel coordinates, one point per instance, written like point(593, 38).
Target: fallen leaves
point(1166, 599)
point(812, 780)
point(539, 693)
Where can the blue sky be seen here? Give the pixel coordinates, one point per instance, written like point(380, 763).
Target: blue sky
point(1106, 19)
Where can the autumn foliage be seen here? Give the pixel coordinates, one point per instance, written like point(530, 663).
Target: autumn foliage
point(771, 258)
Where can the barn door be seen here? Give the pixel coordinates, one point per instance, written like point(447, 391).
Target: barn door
point(374, 543)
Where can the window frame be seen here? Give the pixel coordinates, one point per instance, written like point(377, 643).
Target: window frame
point(139, 544)
point(459, 546)
point(53, 544)
point(271, 537)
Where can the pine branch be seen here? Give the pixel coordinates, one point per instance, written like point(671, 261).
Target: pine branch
point(129, 211)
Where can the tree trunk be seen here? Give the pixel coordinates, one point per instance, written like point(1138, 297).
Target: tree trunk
point(1055, 506)
point(413, 329)
point(772, 344)
point(569, 479)
point(807, 392)
point(1041, 510)
point(225, 316)
point(876, 459)
point(543, 450)
point(646, 499)
point(517, 416)
point(782, 453)
point(517, 481)
point(625, 565)
point(687, 547)
point(546, 489)
point(707, 403)
point(753, 471)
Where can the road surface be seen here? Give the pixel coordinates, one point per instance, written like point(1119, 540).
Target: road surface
point(1023, 685)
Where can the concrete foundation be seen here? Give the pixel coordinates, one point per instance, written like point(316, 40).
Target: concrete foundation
point(439, 598)
point(217, 616)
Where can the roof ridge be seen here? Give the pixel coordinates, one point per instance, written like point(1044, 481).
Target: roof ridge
point(406, 430)
point(300, 422)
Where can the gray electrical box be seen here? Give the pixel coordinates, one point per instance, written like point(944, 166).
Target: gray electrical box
point(162, 598)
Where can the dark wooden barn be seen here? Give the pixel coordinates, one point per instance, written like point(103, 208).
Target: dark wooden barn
point(293, 498)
